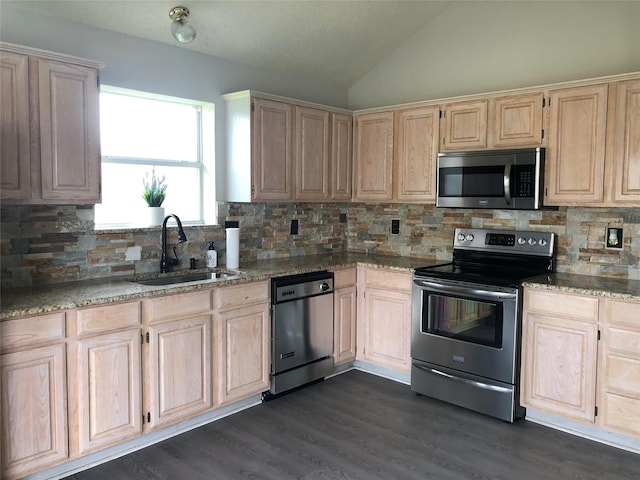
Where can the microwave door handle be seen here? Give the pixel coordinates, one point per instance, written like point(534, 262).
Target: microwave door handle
point(440, 288)
point(507, 183)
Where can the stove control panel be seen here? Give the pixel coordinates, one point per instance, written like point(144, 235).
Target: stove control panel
point(512, 241)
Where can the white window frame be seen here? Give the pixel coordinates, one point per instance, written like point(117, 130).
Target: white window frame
point(206, 156)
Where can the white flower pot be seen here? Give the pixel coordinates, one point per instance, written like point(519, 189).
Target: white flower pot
point(156, 216)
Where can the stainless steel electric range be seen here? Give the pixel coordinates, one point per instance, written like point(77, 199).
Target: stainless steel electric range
point(467, 316)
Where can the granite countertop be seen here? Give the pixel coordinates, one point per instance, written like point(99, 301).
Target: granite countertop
point(588, 285)
point(19, 302)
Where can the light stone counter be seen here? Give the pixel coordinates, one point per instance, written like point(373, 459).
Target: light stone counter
point(43, 299)
point(588, 285)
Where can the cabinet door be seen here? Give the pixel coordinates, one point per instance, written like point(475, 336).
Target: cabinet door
point(517, 121)
point(15, 153)
point(341, 156)
point(626, 144)
point(465, 126)
point(576, 154)
point(344, 325)
point(34, 410)
point(271, 156)
point(559, 366)
point(69, 132)
point(386, 329)
point(417, 138)
point(244, 352)
point(312, 154)
point(108, 403)
point(179, 370)
point(373, 161)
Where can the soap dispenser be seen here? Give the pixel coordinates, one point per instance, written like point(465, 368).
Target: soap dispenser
point(212, 256)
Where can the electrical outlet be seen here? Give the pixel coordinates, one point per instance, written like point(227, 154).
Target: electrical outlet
point(395, 227)
point(613, 238)
point(294, 227)
point(343, 218)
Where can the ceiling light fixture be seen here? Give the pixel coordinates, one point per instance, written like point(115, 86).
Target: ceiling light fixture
point(181, 29)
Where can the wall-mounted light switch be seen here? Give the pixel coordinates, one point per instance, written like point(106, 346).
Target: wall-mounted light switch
point(294, 227)
point(395, 227)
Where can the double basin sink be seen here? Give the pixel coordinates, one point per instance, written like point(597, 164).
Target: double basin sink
point(193, 277)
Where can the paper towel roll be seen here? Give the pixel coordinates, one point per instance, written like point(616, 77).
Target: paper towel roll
point(233, 247)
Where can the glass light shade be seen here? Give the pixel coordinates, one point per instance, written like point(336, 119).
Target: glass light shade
point(182, 31)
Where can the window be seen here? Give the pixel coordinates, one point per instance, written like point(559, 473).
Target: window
point(141, 132)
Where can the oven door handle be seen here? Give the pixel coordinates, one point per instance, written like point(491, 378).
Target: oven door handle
point(440, 288)
point(474, 383)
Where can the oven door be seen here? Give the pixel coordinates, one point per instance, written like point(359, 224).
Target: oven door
point(466, 327)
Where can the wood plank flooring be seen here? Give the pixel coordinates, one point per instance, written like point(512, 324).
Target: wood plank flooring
point(359, 426)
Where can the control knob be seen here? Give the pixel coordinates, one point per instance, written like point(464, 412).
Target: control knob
point(324, 286)
point(522, 241)
point(542, 242)
point(532, 241)
point(470, 238)
point(461, 237)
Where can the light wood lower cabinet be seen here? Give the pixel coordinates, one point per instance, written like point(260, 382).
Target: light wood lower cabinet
point(344, 316)
point(384, 318)
point(243, 329)
point(33, 398)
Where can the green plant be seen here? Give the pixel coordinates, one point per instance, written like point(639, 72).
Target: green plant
point(155, 189)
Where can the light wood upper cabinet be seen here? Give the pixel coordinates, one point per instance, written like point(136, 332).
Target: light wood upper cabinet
point(384, 318)
point(272, 155)
point(15, 152)
point(312, 154)
point(464, 126)
point(516, 121)
point(373, 159)
point(341, 156)
point(416, 147)
point(34, 410)
point(619, 367)
point(575, 159)
point(624, 158)
point(559, 354)
point(64, 136)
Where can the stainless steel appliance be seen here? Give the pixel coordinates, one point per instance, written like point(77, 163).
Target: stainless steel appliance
point(509, 179)
point(466, 319)
point(301, 329)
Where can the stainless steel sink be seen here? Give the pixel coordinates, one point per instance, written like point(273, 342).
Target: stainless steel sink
point(194, 277)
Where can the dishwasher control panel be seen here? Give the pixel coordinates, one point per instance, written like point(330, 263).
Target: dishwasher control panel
point(294, 287)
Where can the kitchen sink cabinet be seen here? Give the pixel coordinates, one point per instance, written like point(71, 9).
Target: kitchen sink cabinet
point(619, 367)
point(178, 346)
point(344, 316)
point(242, 323)
point(384, 318)
point(373, 157)
point(105, 364)
point(33, 394)
point(50, 149)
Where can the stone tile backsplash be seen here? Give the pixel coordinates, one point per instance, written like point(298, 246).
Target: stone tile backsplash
point(50, 244)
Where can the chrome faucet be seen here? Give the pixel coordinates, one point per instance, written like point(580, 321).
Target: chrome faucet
point(165, 261)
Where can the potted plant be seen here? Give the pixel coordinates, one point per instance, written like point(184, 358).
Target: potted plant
point(154, 193)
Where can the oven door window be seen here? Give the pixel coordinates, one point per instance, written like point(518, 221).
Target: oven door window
point(464, 319)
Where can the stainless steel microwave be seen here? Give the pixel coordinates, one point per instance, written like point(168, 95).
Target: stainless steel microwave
point(500, 179)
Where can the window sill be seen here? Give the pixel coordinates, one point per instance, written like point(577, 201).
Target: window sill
point(102, 229)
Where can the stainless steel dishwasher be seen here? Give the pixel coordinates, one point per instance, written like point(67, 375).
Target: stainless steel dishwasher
point(301, 330)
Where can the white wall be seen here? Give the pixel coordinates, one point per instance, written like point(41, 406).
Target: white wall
point(477, 47)
point(139, 64)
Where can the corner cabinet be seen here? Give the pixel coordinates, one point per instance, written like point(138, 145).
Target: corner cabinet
point(384, 318)
point(284, 150)
point(373, 156)
point(50, 149)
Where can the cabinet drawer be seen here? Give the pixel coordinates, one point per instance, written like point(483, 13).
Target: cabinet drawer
point(622, 374)
point(107, 317)
point(32, 331)
point(561, 304)
point(344, 278)
point(621, 312)
point(236, 295)
point(624, 342)
point(621, 413)
point(386, 279)
point(172, 307)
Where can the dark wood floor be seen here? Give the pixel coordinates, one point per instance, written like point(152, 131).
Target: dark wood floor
point(359, 426)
